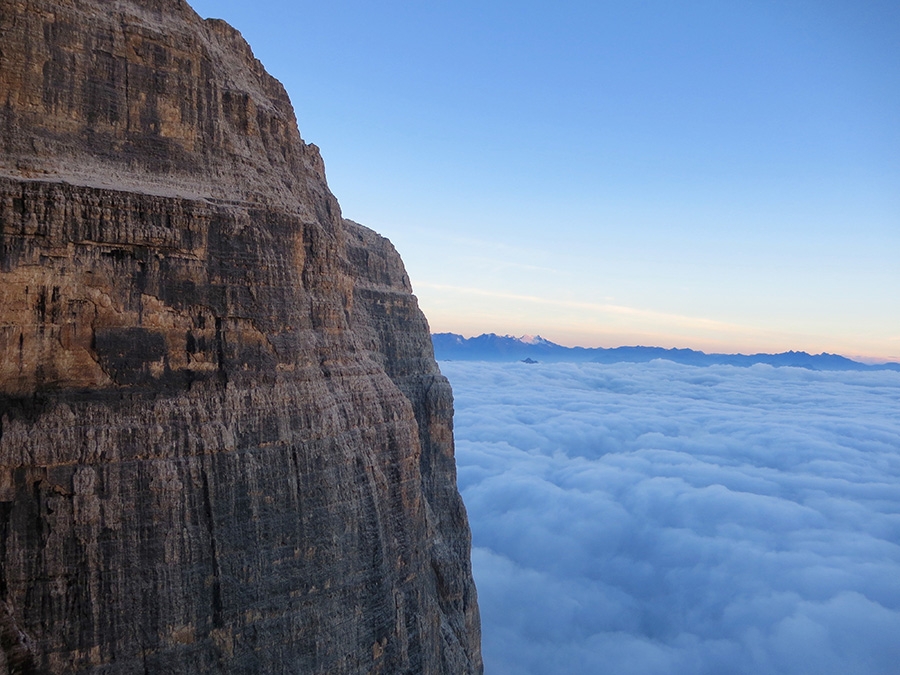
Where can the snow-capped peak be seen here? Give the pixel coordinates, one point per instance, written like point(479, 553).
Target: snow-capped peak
point(534, 340)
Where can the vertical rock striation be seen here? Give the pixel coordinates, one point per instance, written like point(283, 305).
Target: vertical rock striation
point(225, 445)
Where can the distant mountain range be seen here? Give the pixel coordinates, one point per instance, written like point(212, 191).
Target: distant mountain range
point(491, 347)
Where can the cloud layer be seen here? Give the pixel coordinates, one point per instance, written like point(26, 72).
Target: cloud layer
point(659, 518)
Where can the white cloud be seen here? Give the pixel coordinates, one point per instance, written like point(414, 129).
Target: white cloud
point(582, 306)
point(658, 518)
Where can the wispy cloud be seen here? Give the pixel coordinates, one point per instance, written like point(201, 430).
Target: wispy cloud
point(607, 308)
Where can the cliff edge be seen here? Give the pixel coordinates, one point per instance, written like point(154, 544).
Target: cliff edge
point(225, 446)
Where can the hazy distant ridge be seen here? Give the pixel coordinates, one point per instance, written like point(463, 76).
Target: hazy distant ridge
point(491, 347)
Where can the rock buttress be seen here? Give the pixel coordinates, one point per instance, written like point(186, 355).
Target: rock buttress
point(224, 443)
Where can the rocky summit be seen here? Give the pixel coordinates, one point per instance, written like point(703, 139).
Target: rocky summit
point(225, 446)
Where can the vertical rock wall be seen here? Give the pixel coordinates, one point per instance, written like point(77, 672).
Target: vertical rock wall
point(225, 445)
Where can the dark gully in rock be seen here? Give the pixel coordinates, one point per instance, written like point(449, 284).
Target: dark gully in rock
point(225, 446)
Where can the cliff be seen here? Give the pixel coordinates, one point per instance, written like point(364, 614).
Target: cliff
point(225, 445)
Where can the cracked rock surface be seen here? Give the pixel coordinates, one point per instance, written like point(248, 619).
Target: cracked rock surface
point(225, 445)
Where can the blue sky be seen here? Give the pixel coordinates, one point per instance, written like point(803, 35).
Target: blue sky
point(716, 175)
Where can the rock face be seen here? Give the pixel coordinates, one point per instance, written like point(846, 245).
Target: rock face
point(225, 445)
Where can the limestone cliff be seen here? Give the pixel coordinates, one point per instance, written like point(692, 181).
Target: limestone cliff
point(225, 445)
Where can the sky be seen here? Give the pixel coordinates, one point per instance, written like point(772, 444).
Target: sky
point(718, 175)
point(659, 518)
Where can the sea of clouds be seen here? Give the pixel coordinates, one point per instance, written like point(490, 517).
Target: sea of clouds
point(661, 518)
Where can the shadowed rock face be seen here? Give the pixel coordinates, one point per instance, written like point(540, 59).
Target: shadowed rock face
point(225, 445)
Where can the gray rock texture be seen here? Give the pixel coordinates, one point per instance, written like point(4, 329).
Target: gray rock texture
point(225, 446)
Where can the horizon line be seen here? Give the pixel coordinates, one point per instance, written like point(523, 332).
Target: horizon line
point(864, 360)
